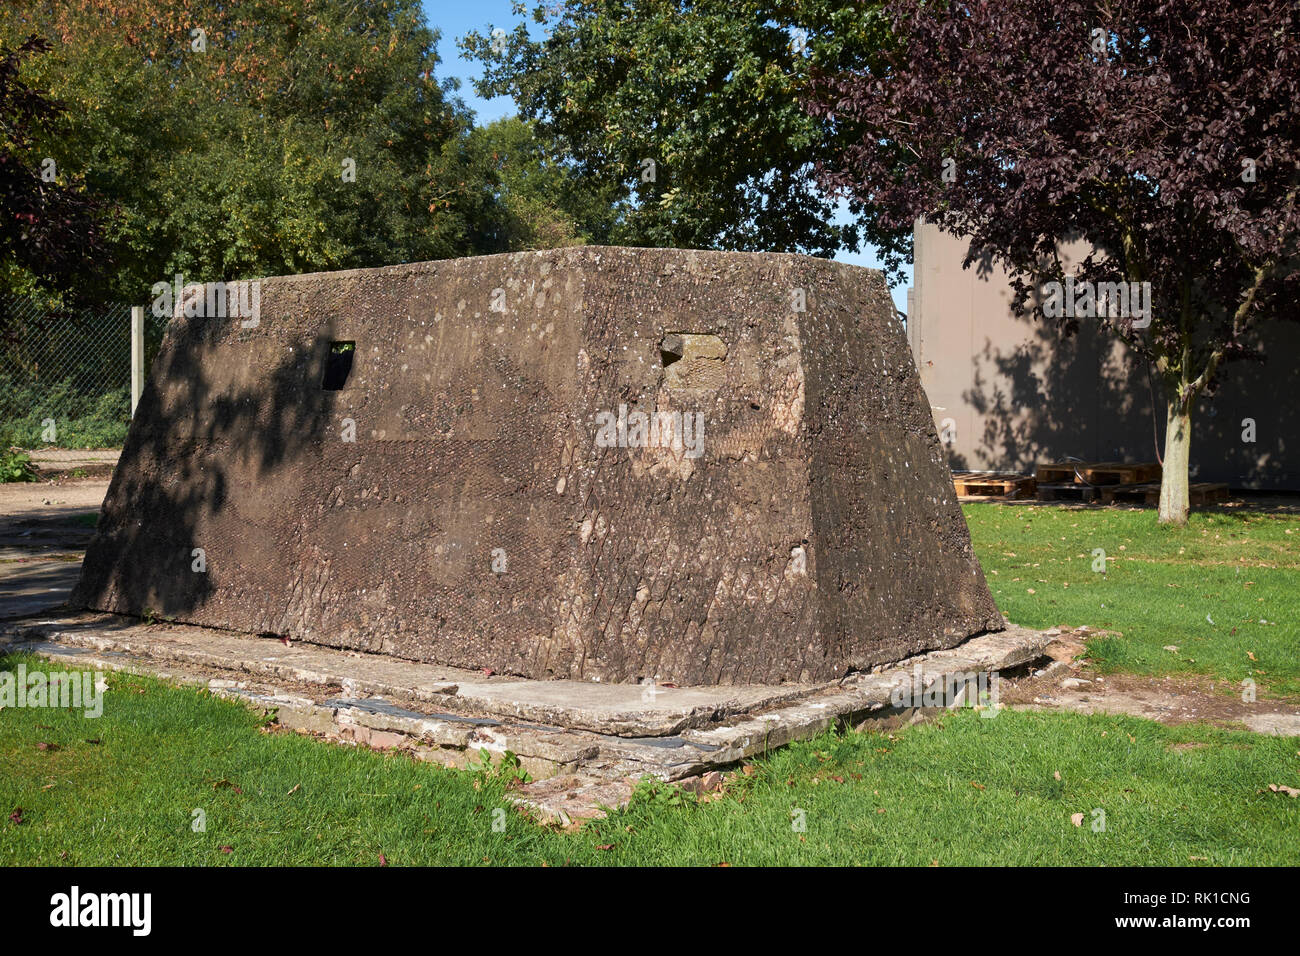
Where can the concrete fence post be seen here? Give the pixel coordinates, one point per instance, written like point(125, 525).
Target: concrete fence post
point(137, 355)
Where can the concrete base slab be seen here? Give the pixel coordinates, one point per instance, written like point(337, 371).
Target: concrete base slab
point(600, 738)
point(628, 710)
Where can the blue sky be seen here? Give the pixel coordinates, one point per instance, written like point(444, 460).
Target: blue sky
point(455, 18)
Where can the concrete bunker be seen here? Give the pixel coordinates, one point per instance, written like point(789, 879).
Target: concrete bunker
point(408, 461)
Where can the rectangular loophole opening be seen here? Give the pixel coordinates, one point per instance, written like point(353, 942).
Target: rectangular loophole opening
point(693, 360)
point(338, 365)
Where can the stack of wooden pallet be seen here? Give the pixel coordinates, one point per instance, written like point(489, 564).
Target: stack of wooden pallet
point(1109, 482)
point(992, 485)
point(1085, 480)
point(1198, 493)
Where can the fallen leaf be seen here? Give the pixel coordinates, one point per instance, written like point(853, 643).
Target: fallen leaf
point(977, 786)
point(605, 846)
point(488, 672)
point(227, 849)
point(383, 860)
point(1076, 819)
point(45, 746)
point(17, 815)
point(1289, 791)
point(294, 790)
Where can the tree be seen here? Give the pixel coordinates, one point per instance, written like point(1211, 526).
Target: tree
point(258, 138)
point(1164, 134)
point(49, 228)
point(531, 197)
point(691, 108)
point(50, 238)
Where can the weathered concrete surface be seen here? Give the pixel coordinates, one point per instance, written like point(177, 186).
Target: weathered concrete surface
point(477, 520)
point(601, 737)
point(619, 709)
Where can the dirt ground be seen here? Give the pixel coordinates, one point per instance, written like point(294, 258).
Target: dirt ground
point(1069, 684)
point(43, 534)
point(53, 464)
point(37, 499)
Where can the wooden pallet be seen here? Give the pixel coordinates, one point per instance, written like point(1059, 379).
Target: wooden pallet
point(1118, 473)
point(1067, 491)
point(1198, 493)
point(1099, 472)
point(996, 485)
point(1204, 492)
point(1056, 474)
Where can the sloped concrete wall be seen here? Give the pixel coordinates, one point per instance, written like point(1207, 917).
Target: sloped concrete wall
point(482, 517)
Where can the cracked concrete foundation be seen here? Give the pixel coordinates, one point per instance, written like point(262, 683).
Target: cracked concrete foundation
point(585, 743)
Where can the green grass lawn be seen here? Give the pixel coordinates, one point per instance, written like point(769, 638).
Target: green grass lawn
point(122, 789)
point(1222, 589)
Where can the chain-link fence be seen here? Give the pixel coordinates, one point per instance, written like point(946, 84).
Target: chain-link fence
point(65, 380)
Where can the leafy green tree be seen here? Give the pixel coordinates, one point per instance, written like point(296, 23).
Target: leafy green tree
point(529, 195)
point(258, 138)
point(49, 232)
point(51, 245)
point(692, 110)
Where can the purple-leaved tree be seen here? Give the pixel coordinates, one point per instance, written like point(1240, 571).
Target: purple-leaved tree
point(1163, 133)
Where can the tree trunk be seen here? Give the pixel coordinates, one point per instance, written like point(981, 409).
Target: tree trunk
point(1173, 483)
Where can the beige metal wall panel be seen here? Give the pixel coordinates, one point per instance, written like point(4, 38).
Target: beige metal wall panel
point(1016, 392)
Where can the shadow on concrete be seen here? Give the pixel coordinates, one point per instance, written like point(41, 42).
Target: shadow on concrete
point(195, 435)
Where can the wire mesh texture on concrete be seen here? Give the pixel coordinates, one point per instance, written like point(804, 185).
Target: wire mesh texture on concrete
point(65, 379)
